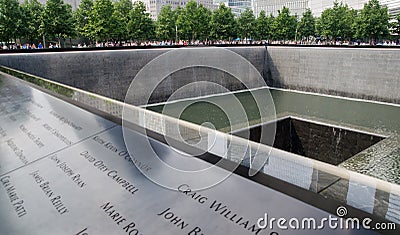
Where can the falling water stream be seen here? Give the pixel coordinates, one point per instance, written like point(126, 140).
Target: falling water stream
point(381, 160)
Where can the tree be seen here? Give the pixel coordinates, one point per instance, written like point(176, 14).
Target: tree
point(247, 24)
point(100, 25)
point(193, 21)
point(284, 25)
point(353, 17)
point(140, 26)
point(374, 21)
point(31, 11)
point(222, 23)
point(264, 26)
point(203, 15)
point(120, 19)
point(337, 22)
point(165, 26)
point(82, 15)
point(57, 20)
point(185, 20)
point(177, 12)
point(10, 20)
point(306, 26)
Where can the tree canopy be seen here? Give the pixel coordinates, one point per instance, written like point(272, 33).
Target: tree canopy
point(122, 20)
point(336, 22)
point(193, 21)
point(100, 24)
point(247, 24)
point(264, 26)
point(284, 26)
point(374, 21)
point(30, 10)
point(57, 20)
point(141, 26)
point(82, 16)
point(222, 23)
point(10, 20)
point(306, 26)
point(165, 26)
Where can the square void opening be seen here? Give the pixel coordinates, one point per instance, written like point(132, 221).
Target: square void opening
point(330, 144)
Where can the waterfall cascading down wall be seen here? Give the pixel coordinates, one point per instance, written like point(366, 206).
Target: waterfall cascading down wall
point(110, 72)
point(366, 73)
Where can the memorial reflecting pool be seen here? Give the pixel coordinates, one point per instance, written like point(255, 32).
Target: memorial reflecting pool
point(369, 129)
point(381, 159)
point(379, 123)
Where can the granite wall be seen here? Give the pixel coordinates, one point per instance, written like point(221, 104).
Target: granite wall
point(110, 73)
point(366, 73)
point(325, 143)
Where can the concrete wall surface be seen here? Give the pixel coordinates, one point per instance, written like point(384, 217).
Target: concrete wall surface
point(366, 73)
point(110, 73)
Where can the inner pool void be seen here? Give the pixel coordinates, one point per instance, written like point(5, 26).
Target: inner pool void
point(319, 141)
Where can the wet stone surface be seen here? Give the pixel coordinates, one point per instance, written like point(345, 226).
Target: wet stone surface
point(318, 141)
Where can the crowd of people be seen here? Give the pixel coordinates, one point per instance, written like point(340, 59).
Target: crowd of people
point(25, 46)
point(33, 46)
point(172, 43)
point(241, 42)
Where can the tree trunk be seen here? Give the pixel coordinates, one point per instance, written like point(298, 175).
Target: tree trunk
point(44, 42)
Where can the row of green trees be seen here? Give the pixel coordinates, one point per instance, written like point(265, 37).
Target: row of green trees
point(32, 20)
point(121, 20)
point(337, 23)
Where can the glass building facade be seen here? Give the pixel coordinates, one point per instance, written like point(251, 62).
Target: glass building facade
point(296, 7)
point(154, 6)
point(238, 6)
point(317, 6)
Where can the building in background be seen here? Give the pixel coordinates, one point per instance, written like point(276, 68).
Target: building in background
point(317, 6)
point(393, 6)
point(296, 7)
point(238, 6)
point(217, 2)
point(73, 3)
point(154, 6)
